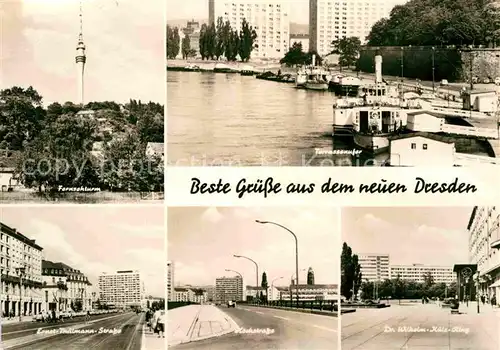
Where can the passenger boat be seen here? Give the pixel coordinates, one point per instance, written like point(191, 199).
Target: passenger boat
point(247, 70)
point(223, 68)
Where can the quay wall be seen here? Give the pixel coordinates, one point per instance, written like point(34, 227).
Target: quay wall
point(450, 63)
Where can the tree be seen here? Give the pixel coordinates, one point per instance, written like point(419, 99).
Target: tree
point(348, 264)
point(348, 50)
point(203, 41)
point(309, 56)
point(247, 39)
point(60, 156)
point(438, 23)
point(367, 289)
point(21, 116)
point(173, 42)
point(221, 38)
point(295, 56)
point(399, 288)
point(264, 285)
point(186, 47)
point(428, 280)
point(358, 276)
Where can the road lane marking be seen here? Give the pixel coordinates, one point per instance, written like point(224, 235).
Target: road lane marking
point(283, 318)
point(258, 312)
point(325, 328)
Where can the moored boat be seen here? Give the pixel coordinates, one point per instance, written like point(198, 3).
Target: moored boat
point(223, 68)
point(247, 70)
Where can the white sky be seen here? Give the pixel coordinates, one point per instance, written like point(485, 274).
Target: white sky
point(96, 239)
point(198, 9)
point(202, 241)
point(431, 235)
point(125, 48)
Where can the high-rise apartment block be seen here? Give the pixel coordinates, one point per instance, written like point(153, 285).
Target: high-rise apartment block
point(269, 19)
point(122, 289)
point(170, 281)
point(228, 288)
point(374, 267)
point(331, 20)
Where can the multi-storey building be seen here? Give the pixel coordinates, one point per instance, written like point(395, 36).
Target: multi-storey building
point(417, 273)
point(331, 20)
point(170, 280)
point(21, 273)
point(194, 295)
point(228, 288)
point(484, 245)
point(374, 267)
point(269, 19)
point(122, 289)
point(307, 292)
point(79, 293)
point(54, 287)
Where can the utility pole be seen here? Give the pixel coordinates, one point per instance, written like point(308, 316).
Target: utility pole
point(402, 64)
point(433, 68)
point(471, 64)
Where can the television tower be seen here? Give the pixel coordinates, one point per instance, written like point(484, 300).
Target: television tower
point(80, 60)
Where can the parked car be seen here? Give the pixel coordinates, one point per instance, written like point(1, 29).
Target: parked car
point(497, 81)
point(231, 303)
point(444, 82)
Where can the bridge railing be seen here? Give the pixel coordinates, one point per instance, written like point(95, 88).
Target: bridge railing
point(470, 131)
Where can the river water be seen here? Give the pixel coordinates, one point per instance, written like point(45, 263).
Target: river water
point(232, 120)
point(216, 119)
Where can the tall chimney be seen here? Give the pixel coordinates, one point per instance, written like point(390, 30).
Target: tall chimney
point(378, 69)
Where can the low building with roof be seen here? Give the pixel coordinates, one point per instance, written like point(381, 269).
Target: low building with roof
point(421, 149)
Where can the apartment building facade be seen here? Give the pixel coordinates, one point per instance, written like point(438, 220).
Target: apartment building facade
point(122, 289)
point(417, 273)
point(374, 267)
point(228, 288)
point(21, 273)
point(269, 18)
point(331, 20)
point(170, 280)
point(484, 248)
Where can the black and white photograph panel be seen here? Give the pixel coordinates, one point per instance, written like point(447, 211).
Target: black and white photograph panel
point(82, 91)
point(420, 278)
point(325, 83)
point(83, 277)
point(253, 278)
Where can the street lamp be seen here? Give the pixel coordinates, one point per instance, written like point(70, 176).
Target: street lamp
point(256, 267)
point(296, 252)
point(477, 291)
point(402, 64)
point(228, 270)
point(21, 272)
point(291, 277)
point(93, 299)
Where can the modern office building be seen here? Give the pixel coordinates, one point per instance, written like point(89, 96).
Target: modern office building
point(307, 292)
point(122, 289)
point(417, 272)
point(331, 20)
point(484, 245)
point(170, 280)
point(374, 267)
point(21, 273)
point(194, 295)
point(228, 288)
point(269, 18)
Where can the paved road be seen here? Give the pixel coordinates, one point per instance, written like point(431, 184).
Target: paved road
point(127, 327)
point(292, 330)
point(370, 329)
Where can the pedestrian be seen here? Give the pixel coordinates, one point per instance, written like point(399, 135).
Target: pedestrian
point(493, 301)
point(160, 325)
point(54, 315)
point(483, 299)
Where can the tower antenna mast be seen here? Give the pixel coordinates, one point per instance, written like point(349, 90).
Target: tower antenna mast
point(81, 59)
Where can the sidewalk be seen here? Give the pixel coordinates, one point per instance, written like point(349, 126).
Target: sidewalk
point(197, 322)
point(16, 320)
point(150, 340)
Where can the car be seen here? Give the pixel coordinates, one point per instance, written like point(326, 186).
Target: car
point(497, 81)
point(231, 303)
point(444, 82)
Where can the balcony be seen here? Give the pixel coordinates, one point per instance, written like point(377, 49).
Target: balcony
point(495, 244)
